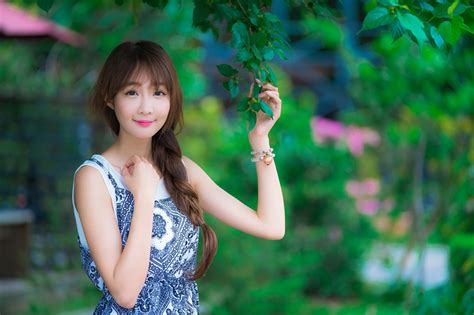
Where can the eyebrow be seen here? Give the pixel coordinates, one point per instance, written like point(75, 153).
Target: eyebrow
point(139, 84)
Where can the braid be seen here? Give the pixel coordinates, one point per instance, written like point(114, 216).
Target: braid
point(167, 156)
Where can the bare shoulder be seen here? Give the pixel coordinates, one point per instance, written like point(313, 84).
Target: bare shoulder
point(89, 185)
point(194, 171)
point(87, 174)
point(88, 177)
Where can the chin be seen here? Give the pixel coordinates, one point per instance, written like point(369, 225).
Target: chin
point(144, 136)
point(141, 133)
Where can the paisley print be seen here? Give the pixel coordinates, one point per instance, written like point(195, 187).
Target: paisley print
point(167, 288)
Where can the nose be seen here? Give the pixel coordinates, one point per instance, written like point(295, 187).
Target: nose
point(145, 105)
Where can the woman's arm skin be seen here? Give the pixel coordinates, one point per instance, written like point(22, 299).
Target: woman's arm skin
point(123, 271)
point(269, 219)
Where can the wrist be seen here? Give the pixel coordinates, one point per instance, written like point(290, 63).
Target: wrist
point(143, 198)
point(259, 142)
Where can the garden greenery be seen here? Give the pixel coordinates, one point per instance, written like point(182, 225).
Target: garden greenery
point(257, 36)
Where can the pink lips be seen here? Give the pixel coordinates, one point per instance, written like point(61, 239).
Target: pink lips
point(144, 123)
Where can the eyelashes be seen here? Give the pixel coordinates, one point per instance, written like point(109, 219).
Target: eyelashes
point(134, 93)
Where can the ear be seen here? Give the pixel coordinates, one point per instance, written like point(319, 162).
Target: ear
point(111, 105)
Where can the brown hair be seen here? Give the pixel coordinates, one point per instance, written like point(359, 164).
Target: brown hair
point(130, 59)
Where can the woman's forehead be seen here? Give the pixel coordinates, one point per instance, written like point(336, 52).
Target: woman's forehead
point(142, 77)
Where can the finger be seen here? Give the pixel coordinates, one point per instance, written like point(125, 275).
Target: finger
point(266, 85)
point(269, 87)
point(271, 95)
point(125, 171)
point(133, 159)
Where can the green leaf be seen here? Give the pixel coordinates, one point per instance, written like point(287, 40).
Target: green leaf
point(226, 70)
point(256, 90)
point(258, 39)
point(281, 53)
point(257, 53)
point(243, 104)
point(461, 8)
point(241, 29)
point(243, 55)
point(389, 3)
point(450, 31)
point(225, 84)
point(282, 42)
point(414, 25)
point(375, 18)
point(271, 17)
point(437, 38)
point(45, 5)
point(254, 9)
point(237, 41)
point(254, 20)
point(467, 28)
point(397, 30)
point(263, 75)
point(265, 108)
point(452, 7)
point(255, 105)
point(441, 11)
point(251, 118)
point(233, 88)
point(272, 75)
point(268, 53)
point(426, 6)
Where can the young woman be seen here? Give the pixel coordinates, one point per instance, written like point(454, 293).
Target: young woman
point(139, 204)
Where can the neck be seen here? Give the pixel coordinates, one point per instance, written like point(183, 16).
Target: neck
point(125, 147)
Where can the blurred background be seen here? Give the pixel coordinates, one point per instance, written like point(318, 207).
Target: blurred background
point(374, 149)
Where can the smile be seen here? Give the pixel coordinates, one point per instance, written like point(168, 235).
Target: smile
point(144, 123)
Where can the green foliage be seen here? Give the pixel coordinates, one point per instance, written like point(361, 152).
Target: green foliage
point(437, 22)
point(422, 107)
point(257, 35)
point(377, 17)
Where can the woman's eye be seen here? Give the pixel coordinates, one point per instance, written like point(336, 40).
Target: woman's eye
point(132, 93)
point(158, 93)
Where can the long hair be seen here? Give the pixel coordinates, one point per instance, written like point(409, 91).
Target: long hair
point(124, 63)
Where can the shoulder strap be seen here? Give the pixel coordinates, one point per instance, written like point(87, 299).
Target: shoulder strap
point(105, 170)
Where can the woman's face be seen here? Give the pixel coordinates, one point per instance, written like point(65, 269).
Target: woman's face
point(141, 108)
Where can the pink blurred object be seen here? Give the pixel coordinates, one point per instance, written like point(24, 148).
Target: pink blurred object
point(326, 129)
point(15, 22)
point(355, 137)
point(368, 206)
point(369, 187)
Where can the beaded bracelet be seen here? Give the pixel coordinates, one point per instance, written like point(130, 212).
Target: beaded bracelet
point(266, 156)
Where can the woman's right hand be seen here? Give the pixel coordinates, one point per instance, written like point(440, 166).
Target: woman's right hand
point(141, 177)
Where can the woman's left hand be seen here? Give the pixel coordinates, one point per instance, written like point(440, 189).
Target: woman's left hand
point(263, 122)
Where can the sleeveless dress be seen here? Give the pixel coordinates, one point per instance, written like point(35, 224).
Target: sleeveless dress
point(166, 290)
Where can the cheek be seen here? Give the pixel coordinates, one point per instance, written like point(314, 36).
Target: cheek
point(121, 112)
point(164, 109)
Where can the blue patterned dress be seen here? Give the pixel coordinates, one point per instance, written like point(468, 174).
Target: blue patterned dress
point(167, 290)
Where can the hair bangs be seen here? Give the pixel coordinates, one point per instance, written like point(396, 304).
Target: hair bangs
point(153, 68)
